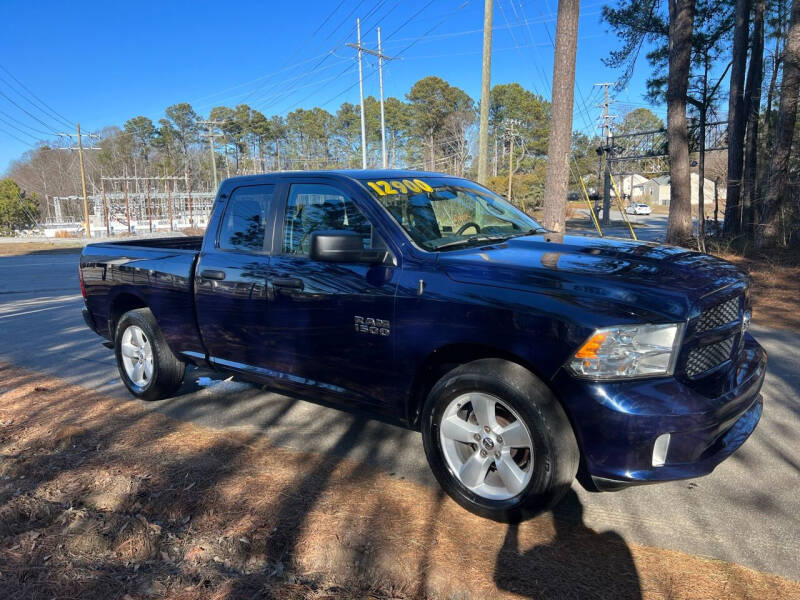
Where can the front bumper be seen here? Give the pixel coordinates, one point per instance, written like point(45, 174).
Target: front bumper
point(617, 423)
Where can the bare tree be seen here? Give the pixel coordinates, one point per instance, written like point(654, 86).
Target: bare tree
point(560, 140)
point(778, 24)
point(777, 191)
point(755, 74)
point(736, 116)
point(681, 15)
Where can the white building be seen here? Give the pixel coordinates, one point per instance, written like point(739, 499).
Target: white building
point(636, 188)
point(664, 190)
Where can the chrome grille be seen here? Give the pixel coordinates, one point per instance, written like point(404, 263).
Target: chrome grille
point(721, 314)
point(705, 358)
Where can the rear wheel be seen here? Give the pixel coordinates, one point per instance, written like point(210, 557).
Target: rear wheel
point(147, 365)
point(498, 441)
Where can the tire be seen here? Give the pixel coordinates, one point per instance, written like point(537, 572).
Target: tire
point(159, 372)
point(546, 466)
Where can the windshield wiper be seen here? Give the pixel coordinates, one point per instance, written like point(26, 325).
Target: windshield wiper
point(529, 232)
point(475, 238)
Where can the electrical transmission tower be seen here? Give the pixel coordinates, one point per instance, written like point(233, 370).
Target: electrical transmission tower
point(381, 57)
point(79, 136)
point(605, 151)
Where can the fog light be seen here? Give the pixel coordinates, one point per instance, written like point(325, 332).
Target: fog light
point(660, 450)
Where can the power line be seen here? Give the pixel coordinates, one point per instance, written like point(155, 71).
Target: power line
point(299, 48)
point(287, 92)
point(34, 117)
point(411, 18)
point(42, 102)
point(283, 93)
point(524, 22)
point(245, 83)
point(409, 46)
point(316, 84)
point(9, 124)
point(23, 124)
point(11, 135)
point(294, 83)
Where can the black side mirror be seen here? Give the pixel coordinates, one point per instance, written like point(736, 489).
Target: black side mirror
point(342, 246)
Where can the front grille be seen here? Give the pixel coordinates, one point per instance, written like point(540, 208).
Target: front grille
point(721, 314)
point(705, 358)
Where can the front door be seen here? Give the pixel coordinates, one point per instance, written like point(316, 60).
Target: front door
point(330, 323)
point(231, 281)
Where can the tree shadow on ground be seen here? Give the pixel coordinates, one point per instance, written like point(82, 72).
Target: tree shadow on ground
point(578, 563)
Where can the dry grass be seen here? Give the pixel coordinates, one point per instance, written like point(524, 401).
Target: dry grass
point(776, 288)
point(18, 248)
point(99, 499)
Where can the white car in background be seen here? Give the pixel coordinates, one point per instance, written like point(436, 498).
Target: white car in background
point(637, 208)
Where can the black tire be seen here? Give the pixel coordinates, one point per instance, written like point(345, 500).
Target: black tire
point(168, 370)
point(556, 453)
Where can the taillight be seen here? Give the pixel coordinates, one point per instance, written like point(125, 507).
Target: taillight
point(80, 278)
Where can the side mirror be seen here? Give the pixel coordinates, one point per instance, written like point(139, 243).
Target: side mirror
point(342, 246)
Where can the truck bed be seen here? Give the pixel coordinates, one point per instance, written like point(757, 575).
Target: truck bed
point(157, 273)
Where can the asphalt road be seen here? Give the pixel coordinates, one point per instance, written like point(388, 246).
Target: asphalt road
point(651, 228)
point(747, 511)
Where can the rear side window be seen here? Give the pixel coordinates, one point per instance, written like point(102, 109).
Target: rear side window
point(244, 222)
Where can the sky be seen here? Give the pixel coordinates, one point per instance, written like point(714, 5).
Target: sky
point(100, 63)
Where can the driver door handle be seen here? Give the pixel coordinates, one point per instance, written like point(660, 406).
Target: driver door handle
point(288, 282)
point(212, 274)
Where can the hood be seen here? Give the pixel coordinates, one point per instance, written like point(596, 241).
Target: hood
point(655, 277)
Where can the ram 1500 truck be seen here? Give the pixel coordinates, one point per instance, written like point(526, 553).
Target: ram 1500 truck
point(525, 357)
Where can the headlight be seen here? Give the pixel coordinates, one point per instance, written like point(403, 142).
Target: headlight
point(628, 351)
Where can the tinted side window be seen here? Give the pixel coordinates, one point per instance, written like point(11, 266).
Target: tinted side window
point(316, 207)
point(244, 222)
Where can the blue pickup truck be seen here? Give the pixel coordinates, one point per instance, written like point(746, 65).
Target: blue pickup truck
point(525, 357)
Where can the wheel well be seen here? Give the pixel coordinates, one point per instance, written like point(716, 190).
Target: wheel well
point(445, 359)
point(119, 306)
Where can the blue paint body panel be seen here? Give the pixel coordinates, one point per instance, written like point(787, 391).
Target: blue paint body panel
point(531, 299)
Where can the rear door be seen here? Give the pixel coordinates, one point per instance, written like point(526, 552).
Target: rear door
point(231, 281)
point(331, 323)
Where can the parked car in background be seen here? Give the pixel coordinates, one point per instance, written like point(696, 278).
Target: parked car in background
point(638, 208)
point(520, 354)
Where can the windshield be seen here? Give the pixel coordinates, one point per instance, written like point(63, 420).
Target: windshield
point(441, 213)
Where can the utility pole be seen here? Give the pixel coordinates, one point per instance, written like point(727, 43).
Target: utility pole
point(510, 167)
point(511, 133)
point(79, 148)
point(381, 57)
point(211, 135)
point(607, 119)
point(361, 92)
point(83, 181)
point(105, 206)
point(486, 72)
point(169, 204)
point(127, 206)
point(149, 212)
point(383, 118)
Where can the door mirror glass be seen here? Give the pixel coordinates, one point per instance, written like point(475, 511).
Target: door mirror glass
point(343, 247)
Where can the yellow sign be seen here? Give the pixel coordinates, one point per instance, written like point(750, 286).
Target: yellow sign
point(397, 186)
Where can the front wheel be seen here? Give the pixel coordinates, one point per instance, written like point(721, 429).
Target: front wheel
point(498, 441)
point(147, 365)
